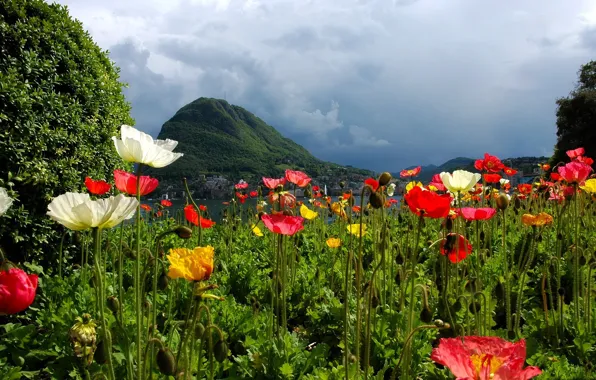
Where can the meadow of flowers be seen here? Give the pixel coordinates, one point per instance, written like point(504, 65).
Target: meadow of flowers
point(464, 277)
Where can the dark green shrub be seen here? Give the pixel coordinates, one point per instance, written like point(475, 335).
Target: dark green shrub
point(60, 102)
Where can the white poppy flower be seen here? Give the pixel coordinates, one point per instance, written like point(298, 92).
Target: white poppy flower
point(139, 147)
point(5, 200)
point(503, 181)
point(78, 212)
point(391, 189)
point(460, 181)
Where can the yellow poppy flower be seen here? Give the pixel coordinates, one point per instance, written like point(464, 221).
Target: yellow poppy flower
point(195, 265)
point(354, 229)
point(333, 243)
point(413, 184)
point(338, 209)
point(307, 213)
point(589, 186)
point(541, 219)
point(256, 230)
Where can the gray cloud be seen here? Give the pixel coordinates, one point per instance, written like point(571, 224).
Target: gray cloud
point(372, 83)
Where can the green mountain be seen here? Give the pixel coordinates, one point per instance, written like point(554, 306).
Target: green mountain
point(220, 138)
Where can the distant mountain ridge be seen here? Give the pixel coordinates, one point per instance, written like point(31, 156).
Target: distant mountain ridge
point(525, 164)
point(219, 138)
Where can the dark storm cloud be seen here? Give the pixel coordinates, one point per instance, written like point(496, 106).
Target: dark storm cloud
point(382, 84)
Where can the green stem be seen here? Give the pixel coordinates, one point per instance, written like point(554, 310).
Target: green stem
point(101, 301)
point(138, 289)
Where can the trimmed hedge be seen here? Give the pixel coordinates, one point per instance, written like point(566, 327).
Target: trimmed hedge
point(60, 102)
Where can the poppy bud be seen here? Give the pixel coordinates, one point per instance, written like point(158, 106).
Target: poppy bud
point(426, 315)
point(582, 260)
point(288, 213)
point(342, 184)
point(129, 253)
point(376, 200)
point(511, 334)
point(561, 291)
point(448, 224)
point(166, 362)
point(260, 191)
point(260, 215)
point(101, 356)
point(440, 324)
point(474, 307)
point(183, 232)
point(113, 304)
point(279, 188)
point(220, 351)
point(384, 178)
point(199, 330)
point(502, 201)
point(517, 203)
point(163, 282)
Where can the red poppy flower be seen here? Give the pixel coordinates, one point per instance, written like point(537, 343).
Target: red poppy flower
point(284, 198)
point(298, 178)
point(241, 197)
point(575, 153)
point(254, 194)
point(166, 203)
point(191, 214)
point(489, 163)
point(158, 214)
point(127, 183)
point(509, 171)
point(372, 183)
point(203, 208)
point(491, 178)
point(437, 182)
point(484, 358)
point(272, 183)
point(225, 203)
point(410, 172)
point(390, 202)
point(575, 172)
point(346, 196)
point(146, 207)
point(241, 185)
point(427, 203)
point(545, 167)
point(456, 247)
point(98, 187)
point(585, 160)
point(315, 188)
point(319, 204)
point(356, 209)
point(524, 188)
point(555, 176)
point(17, 290)
point(471, 213)
point(283, 224)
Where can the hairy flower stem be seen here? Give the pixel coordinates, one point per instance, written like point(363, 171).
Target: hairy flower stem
point(359, 280)
point(522, 280)
point(138, 289)
point(200, 239)
point(506, 285)
point(576, 269)
point(413, 262)
point(407, 344)
point(346, 309)
point(101, 299)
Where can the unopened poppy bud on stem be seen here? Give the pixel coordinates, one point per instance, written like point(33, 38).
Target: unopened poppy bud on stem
point(113, 304)
point(183, 232)
point(502, 201)
point(384, 178)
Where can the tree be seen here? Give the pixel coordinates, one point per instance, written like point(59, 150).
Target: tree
point(576, 116)
point(60, 103)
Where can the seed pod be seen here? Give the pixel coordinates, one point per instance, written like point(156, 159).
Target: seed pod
point(183, 232)
point(166, 362)
point(163, 281)
point(426, 315)
point(101, 356)
point(113, 304)
point(384, 178)
point(199, 330)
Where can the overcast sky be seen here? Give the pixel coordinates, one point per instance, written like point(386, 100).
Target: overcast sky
point(378, 84)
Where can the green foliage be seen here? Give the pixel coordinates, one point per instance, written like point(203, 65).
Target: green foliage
point(220, 138)
point(576, 115)
point(60, 102)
